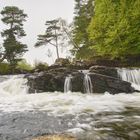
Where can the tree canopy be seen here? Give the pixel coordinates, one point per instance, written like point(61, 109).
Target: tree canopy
point(115, 28)
point(55, 34)
point(100, 28)
point(13, 17)
point(107, 28)
point(84, 11)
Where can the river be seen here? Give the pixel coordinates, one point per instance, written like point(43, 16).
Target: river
point(86, 116)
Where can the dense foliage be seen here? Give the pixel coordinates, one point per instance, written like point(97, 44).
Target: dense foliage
point(23, 65)
point(83, 14)
point(100, 28)
point(4, 68)
point(113, 31)
point(115, 28)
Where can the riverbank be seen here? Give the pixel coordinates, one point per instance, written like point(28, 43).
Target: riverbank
point(82, 77)
point(24, 67)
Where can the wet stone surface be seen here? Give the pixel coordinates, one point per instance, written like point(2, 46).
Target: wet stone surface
point(25, 126)
point(102, 126)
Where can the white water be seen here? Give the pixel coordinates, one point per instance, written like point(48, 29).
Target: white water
point(68, 84)
point(130, 75)
point(87, 82)
point(14, 85)
point(14, 97)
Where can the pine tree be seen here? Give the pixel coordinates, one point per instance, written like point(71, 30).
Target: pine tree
point(83, 14)
point(55, 34)
point(13, 49)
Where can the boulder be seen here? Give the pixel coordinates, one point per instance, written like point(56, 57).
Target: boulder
point(102, 83)
point(60, 62)
point(104, 70)
point(54, 79)
point(45, 83)
point(48, 81)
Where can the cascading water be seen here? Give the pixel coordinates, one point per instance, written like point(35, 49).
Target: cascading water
point(30, 114)
point(130, 75)
point(87, 82)
point(68, 84)
point(14, 85)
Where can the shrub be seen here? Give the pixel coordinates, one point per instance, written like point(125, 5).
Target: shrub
point(4, 68)
point(41, 66)
point(23, 65)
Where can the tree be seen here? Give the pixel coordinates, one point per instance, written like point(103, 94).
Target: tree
point(52, 35)
point(14, 18)
point(13, 50)
point(115, 28)
point(1, 53)
point(84, 11)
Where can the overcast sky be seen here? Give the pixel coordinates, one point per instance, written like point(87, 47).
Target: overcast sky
point(38, 12)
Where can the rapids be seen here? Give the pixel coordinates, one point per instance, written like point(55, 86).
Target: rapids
point(130, 75)
point(98, 116)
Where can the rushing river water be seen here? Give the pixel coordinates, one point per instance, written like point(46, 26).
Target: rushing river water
point(86, 116)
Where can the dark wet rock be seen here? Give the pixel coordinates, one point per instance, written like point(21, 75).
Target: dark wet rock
point(77, 82)
point(49, 81)
point(60, 62)
point(102, 83)
point(109, 71)
point(103, 79)
point(126, 61)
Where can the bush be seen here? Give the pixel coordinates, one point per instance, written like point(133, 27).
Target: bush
point(4, 68)
point(23, 65)
point(41, 66)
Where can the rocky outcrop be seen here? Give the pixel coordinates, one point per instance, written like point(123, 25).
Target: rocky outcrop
point(103, 79)
point(109, 71)
point(102, 83)
point(48, 81)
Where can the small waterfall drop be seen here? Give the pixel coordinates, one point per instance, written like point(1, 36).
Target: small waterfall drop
point(14, 85)
point(130, 75)
point(68, 84)
point(88, 88)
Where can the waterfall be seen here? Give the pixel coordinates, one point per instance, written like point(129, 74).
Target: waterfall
point(88, 88)
point(68, 84)
point(87, 84)
point(130, 75)
point(13, 85)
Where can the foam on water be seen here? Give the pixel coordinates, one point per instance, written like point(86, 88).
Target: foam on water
point(71, 103)
point(130, 75)
point(68, 84)
point(13, 85)
point(14, 97)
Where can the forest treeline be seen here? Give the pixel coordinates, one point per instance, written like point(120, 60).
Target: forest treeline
point(103, 28)
point(107, 28)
